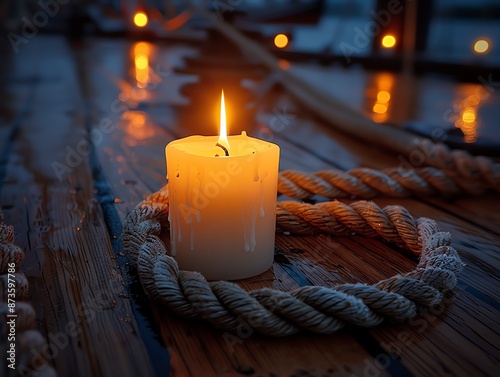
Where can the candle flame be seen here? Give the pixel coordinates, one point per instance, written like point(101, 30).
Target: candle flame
point(222, 123)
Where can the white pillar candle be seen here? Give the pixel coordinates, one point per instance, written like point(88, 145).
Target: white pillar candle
point(222, 209)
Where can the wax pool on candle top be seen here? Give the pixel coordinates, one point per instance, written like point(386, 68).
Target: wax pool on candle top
point(222, 209)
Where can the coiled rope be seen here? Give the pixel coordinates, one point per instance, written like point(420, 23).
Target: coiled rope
point(313, 308)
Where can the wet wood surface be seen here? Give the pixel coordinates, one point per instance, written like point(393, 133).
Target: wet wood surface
point(68, 198)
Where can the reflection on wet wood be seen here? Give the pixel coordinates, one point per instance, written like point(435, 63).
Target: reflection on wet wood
point(68, 227)
point(75, 284)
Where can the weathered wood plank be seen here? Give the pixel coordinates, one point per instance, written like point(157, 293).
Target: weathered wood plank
point(71, 258)
point(75, 283)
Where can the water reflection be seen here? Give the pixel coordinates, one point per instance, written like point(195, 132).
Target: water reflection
point(143, 79)
point(383, 85)
point(136, 126)
point(467, 106)
point(137, 88)
point(142, 52)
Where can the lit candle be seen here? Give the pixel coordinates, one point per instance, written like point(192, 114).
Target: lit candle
point(222, 211)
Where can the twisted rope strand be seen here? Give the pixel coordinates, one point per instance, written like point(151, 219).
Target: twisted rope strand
point(392, 223)
point(460, 163)
point(29, 343)
point(367, 183)
point(317, 309)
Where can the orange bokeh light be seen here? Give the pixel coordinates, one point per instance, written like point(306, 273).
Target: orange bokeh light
point(481, 46)
point(379, 108)
point(383, 96)
point(141, 61)
point(468, 119)
point(388, 41)
point(469, 115)
point(140, 19)
point(284, 64)
point(141, 70)
point(142, 48)
point(281, 40)
point(141, 58)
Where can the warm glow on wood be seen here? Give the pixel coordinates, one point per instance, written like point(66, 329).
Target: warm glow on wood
point(141, 70)
point(389, 41)
point(141, 52)
point(281, 41)
point(222, 123)
point(140, 19)
point(468, 124)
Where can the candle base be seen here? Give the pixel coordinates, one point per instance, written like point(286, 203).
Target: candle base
point(242, 267)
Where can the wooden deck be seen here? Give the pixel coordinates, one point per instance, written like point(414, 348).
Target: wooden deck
point(68, 199)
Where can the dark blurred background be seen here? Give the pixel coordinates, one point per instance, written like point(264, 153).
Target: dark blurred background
point(422, 65)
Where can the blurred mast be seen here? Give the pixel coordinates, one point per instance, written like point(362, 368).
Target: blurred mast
point(409, 35)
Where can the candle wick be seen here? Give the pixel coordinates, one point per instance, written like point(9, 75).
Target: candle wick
point(223, 148)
